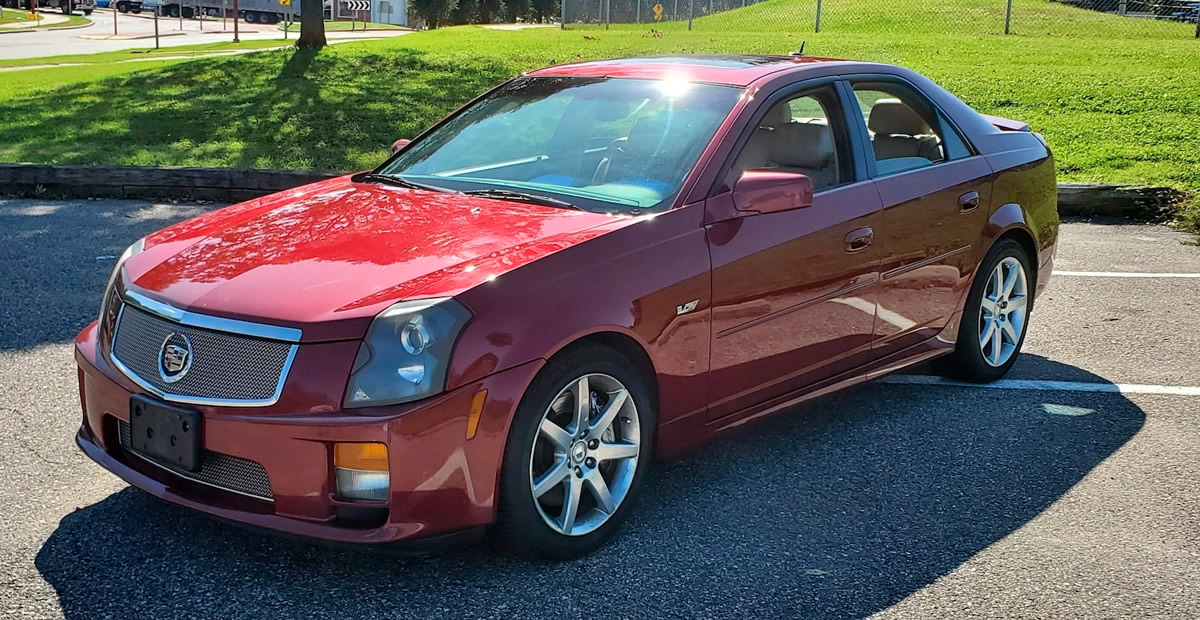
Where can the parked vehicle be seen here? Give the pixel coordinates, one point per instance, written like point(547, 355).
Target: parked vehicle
point(68, 7)
point(1189, 15)
point(252, 11)
point(590, 265)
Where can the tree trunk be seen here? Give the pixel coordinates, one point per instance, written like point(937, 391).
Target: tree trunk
point(312, 25)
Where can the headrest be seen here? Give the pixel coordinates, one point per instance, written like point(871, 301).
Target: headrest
point(802, 145)
point(780, 114)
point(892, 116)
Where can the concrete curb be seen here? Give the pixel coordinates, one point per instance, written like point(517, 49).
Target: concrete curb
point(232, 185)
point(75, 27)
point(153, 182)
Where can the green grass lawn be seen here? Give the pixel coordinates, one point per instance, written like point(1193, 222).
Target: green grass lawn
point(331, 26)
point(14, 16)
point(1114, 110)
point(143, 53)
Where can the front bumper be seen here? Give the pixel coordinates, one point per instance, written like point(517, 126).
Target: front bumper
point(441, 482)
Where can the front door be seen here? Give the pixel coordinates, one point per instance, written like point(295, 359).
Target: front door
point(794, 291)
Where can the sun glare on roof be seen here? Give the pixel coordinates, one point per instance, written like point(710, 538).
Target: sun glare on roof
point(675, 85)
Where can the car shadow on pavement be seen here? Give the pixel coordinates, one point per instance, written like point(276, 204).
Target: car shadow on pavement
point(839, 508)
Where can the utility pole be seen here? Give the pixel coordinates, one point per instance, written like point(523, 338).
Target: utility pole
point(156, 9)
point(817, 26)
point(235, 20)
point(1007, 16)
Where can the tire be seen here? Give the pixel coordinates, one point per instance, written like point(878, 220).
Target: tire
point(531, 523)
point(88, 12)
point(264, 18)
point(1009, 314)
point(123, 7)
point(212, 12)
point(250, 17)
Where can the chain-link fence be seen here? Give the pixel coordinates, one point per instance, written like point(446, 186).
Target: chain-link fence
point(1092, 18)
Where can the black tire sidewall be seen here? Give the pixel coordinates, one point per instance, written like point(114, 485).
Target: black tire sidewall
point(521, 526)
point(968, 363)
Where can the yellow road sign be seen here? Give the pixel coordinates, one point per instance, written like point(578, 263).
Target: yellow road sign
point(658, 11)
point(285, 2)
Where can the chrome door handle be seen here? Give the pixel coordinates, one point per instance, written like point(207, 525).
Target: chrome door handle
point(859, 239)
point(968, 202)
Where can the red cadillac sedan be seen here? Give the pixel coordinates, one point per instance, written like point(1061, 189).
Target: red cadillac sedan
point(589, 265)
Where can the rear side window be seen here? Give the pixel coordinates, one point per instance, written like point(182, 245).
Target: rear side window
point(907, 132)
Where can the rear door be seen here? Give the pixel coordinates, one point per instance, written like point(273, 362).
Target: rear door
point(935, 192)
point(793, 291)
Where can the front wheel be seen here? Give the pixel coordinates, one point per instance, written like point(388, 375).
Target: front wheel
point(996, 316)
point(577, 454)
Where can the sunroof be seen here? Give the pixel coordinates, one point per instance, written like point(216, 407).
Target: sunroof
point(730, 61)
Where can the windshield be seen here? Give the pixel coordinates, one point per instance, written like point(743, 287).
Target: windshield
point(615, 145)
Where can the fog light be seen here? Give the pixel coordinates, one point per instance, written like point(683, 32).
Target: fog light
point(360, 470)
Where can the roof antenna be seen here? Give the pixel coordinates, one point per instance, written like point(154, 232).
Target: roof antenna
point(799, 52)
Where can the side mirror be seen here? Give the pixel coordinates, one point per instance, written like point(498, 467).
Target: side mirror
point(399, 144)
point(772, 191)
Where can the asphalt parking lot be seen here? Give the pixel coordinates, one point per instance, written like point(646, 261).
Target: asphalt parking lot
point(1071, 491)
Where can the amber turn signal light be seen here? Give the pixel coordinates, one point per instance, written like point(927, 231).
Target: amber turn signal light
point(361, 456)
point(475, 412)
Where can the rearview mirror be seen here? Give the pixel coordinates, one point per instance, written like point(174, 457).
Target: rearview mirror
point(399, 144)
point(772, 191)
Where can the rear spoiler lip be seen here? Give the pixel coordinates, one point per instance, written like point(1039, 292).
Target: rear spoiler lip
point(1006, 124)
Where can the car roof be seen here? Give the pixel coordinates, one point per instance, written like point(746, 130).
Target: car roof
point(734, 70)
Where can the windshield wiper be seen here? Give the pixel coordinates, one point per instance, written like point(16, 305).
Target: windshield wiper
point(507, 194)
point(401, 182)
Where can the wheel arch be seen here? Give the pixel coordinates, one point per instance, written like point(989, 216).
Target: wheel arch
point(1010, 221)
point(627, 346)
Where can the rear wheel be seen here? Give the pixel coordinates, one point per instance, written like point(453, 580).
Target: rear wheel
point(996, 316)
point(250, 17)
point(577, 454)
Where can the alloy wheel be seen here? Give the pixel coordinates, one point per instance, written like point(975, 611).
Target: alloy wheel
point(585, 454)
point(1002, 311)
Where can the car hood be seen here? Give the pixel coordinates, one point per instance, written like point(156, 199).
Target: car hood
point(328, 257)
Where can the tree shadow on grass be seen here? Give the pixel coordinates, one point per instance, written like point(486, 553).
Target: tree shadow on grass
point(335, 110)
point(836, 509)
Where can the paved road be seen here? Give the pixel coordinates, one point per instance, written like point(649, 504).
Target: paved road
point(906, 501)
point(55, 42)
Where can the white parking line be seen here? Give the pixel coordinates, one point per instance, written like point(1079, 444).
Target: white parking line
point(1058, 386)
point(1124, 274)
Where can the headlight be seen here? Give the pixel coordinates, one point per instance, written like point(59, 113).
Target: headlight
point(129, 252)
point(406, 352)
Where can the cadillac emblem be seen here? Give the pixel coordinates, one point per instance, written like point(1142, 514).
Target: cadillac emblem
point(175, 357)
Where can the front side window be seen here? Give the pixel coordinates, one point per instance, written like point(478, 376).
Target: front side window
point(801, 134)
point(906, 131)
point(617, 145)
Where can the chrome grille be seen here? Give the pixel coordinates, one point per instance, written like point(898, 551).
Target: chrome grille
point(222, 471)
point(227, 368)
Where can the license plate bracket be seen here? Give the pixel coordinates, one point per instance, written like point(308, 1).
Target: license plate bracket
point(165, 433)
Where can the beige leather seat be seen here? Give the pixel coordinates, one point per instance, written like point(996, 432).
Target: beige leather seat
point(781, 143)
point(901, 132)
point(806, 148)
